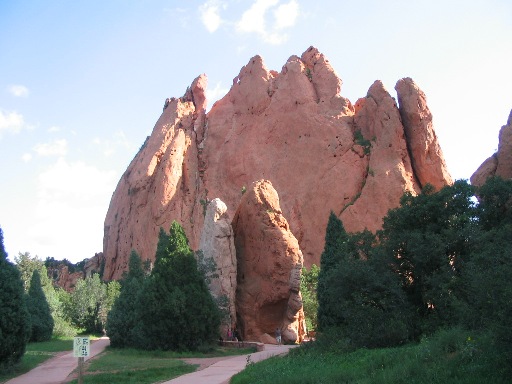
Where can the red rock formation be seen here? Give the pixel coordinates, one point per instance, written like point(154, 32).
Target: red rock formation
point(269, 268)
point(94, 265)
point(499, 164)
point(218, 251)
point(66, 280)
point(292, 128)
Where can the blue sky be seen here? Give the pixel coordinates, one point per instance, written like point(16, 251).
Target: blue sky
point(82, 84)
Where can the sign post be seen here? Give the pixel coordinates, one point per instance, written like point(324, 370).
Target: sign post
point(81, 349)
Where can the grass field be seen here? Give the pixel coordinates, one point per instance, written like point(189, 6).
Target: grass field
point(453, 357)
point(135, 366)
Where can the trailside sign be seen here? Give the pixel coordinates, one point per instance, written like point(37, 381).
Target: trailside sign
point(81, 347)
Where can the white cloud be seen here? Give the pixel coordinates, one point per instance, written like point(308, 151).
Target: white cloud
point(110, 146)
point(72, 200)
point(19, 90)
point(26, 157)
point(210, 15)
point(212, 95)
point(53, 148)
point(12, 122)
point(53, 129)
point(286, 15)
point(254, 20)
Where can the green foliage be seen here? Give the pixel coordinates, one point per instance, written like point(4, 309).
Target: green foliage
point(335, 236)
point(360, 140)
point(368, 306)
point(122, 319)
point(176, 311)
point(430, 236)
point(440, 261)
point(40, 316)
point(308, 290)
point(450, 356)
point(488, 288)
point(90, 303)
point(14, 317)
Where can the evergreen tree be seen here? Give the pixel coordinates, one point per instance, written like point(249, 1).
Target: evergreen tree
point(487, 274)
point(335, 237)
point(430, 237)
point(14, 317)
point(176, 309)
point(40, 315)
point(122, 319)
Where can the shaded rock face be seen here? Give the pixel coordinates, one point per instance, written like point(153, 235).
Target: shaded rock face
point(500, 163)
point(269, 268)
point(292, 128)
point(95, 264)
point(67, 280)
point(217, 245)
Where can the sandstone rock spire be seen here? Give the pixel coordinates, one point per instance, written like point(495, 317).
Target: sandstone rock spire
point(269, 267)
point(217, 245)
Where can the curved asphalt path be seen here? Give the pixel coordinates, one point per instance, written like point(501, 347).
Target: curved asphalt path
point(222, 371)
point(57, 369)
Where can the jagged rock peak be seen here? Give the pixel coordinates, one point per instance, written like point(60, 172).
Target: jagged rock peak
point(293, 128)
point(426, 154)
point(196, 92)
point(500, 163)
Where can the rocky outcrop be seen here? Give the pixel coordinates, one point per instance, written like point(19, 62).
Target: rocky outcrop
point(426, 155)
point(291, 127)
point(95, 264)
point(67, 280)
point(500, 163)
point(219, 259)
point(269, 268)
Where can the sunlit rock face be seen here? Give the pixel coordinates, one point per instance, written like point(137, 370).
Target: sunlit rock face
point(293, 128)
point(500, 163)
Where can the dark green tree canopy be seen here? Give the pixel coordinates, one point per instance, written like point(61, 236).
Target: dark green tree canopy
point(122, 319)
point(14, 317)
point(176, 309)
point(40, 314)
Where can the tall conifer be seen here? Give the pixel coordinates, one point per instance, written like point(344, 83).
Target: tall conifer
point(14, 318)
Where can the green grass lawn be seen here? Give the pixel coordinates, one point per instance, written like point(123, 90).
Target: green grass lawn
point(453, 357)
point(136, 366)
point(38, 353)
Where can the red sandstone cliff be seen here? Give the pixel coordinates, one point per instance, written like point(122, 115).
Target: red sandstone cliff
point(500, 163)
point(293, 128)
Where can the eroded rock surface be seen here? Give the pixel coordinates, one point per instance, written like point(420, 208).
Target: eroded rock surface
point(500, 163)
point(217, 245)
point(269, 268)
point(291, 127)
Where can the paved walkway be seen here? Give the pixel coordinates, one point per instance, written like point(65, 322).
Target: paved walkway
point(57, 369)
point(222, 371)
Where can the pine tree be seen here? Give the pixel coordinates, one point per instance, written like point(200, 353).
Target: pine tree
point(40, 315)
point(122, 319)
point(14, 318)
point(176, 309)
point(335, 237)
